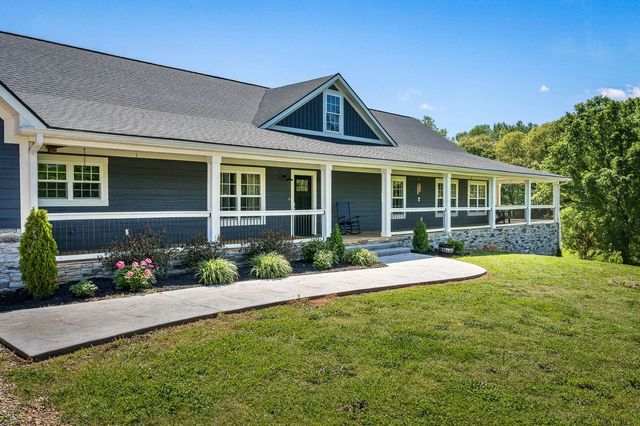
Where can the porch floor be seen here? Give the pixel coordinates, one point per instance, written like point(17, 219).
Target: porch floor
point(45, 332)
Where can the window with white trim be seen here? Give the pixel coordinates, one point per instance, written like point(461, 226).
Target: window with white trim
point(242, 189)
point(398, 195)
point(477, 197)
point(333, 112)
point(440, 195)
point(66, 180)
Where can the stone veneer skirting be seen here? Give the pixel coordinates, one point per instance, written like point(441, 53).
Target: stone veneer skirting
point(10, 276)
point(537, 238)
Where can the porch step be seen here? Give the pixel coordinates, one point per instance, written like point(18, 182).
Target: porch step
point(386, 248)
point(392, 251)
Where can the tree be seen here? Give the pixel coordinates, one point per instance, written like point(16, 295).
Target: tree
point(420, 240)
point(510, 148)
point(430, 122)
point(38, 252)
point(600, 151)
point(481, 145)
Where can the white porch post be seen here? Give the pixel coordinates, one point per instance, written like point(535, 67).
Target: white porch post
point(492, 202)
point(446, 180)
point(386, 203)
point(33, 170)
point(556, 201)
point(326, 185)
point(213, 201)
point(527, 201)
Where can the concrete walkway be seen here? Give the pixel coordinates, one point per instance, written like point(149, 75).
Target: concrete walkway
point(45, 332)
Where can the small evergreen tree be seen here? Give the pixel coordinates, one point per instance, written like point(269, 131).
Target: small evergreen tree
point(38, 252)
point(335, 243)
point(420, 241)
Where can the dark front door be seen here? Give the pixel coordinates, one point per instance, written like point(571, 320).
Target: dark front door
point(302, 201)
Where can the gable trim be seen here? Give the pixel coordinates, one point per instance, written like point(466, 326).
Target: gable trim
point(271, 123)
point(333, 135)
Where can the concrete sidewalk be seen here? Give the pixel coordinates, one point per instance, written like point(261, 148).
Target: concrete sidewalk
point(44, 332)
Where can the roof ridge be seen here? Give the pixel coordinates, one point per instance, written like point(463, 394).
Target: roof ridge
point(393, 113)
point(326, 77)
point(113, 55)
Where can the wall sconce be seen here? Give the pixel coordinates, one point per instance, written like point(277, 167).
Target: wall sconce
point(419, 190)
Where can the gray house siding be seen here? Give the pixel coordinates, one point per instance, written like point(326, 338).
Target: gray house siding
point(9, 183)
point(354, 125)
point(363, 192)
point(307, 117)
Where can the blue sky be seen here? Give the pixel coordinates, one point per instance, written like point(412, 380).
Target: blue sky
point(463, 62)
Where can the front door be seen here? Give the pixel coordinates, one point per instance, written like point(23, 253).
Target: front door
point(302, 201)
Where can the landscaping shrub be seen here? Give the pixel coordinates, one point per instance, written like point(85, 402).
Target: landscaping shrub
point(135, 276)
point(38, 252)
point(270, 241)
point(323, 259)
point(217, 271)
point(270, 265)
point(200, 249)
point(146, 244)
point(420, 240)
point(360, 257)
point(458, 246)
point(335, 243)
point(310, 249)
point(84, 289)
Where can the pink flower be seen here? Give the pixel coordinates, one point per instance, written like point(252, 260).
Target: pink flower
point(143, 263)
point(151, 266)
point(120, 265)
point(135, 264)
point(129, 274)
point(147, 272)
point(148, 260)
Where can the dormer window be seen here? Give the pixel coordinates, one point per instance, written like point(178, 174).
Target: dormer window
point(333, 112)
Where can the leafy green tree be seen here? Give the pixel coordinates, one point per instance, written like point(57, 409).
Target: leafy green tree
point(481, 145)
point(539, 141)
point(38, 252)
point(420, 240)
point(430, 122)
point(579, 233)
point(600, 151)
point(510, 148)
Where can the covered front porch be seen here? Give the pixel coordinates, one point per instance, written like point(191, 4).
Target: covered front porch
point(96, 193)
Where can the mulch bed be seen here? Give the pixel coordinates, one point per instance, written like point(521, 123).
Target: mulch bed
point(19, 299)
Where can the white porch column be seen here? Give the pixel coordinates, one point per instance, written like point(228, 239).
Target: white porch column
point(446, 180)
point(326, 186)
point(25, 183)
point(33, 170)
point(527, 201)
point(492, 202)
point(213, 201)
point(386, 203)
point(556, 201)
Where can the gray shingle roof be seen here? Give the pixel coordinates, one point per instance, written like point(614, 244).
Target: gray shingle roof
point(77, 89)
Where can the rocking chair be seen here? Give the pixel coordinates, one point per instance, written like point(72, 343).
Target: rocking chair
point(348, 224)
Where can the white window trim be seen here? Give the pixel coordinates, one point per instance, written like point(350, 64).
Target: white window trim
point(486, 198)
point(453, 181)
point(243, 221)
point(324, 112)
point(69, 161)
point(402, 179)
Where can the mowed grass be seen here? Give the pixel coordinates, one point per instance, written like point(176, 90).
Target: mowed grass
point(539, 340)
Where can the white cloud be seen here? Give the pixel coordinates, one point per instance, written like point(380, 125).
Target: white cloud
point(544, 88)
point(425, 107)
point(405, 95)
point(611, 93)
point(635, 92)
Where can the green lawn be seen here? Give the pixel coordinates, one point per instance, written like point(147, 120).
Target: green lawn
point(540, 340)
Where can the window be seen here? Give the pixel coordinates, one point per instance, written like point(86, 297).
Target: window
point(440, 195)
point(333, 112)
point(242, 189)
point(398, 195)
point(477, 197)
point(66, 180)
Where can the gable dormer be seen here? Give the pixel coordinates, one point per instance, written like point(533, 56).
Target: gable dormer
point(329, 110)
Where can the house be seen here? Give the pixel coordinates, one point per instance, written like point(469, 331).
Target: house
point(109, 145)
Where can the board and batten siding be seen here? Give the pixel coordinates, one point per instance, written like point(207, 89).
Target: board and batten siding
point(9, 183)
point(354, 125)
point(363, 192)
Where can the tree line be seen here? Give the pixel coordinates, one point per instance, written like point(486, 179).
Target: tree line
point(597, 145)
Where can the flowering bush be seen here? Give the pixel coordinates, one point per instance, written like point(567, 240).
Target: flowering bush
point(135, 277)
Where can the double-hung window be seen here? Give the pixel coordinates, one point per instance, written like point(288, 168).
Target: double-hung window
point(398, 195)
point(333, 112)
point(440, 195)
point(477, 197)
point(66, 180)
point(242, 189)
